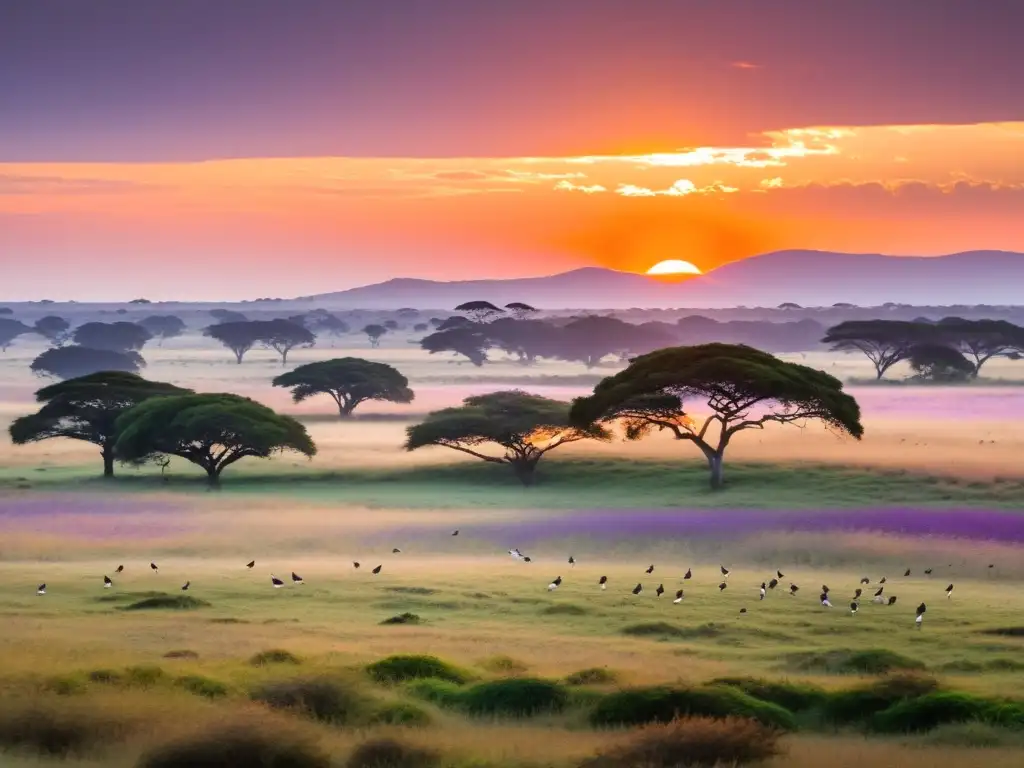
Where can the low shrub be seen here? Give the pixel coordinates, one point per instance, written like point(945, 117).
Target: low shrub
point(1004, 631)
point(695, 742)
point(274, 656)
point(515, 697)
point(934, 709)
point(505, 665)
point(108, 676)
point(443, 693)
point(796, 697)
point(320, 698)
point(402, 618)
point(390, 753)
point(202, 686)
point(849, 662)
point(974, 735)
point(401, 713)
point(64, 686)
point(143, 676)
point(167, 603)
point(664, 630)
point(564, 609)
point(238, 746)
point(593, 676)
point(183, 654)
point(56, 726)
point(662, 704)
point(399, 669)
point(859, 704)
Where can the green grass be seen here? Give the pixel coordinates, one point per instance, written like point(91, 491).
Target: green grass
point(569, 483)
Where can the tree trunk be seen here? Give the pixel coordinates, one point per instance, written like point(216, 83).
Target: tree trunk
point(238, 357)
point(213, 477)
point(284, 357)
point(524, 470)
point(108, 461)
point(715, 464)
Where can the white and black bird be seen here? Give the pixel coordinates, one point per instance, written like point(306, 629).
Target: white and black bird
point(722, 586)
point(824, 600)
point(892, 599)
point(572, 561)
point(688, 574)
point(878, 598)
point(185, 586)
point(153, 567)
point(376, 570)
point(276, 582)
point(251, 564)
point(679, 597)
point(824, 588)
point(515, 554)
point(920, 614)
point(296, 579)
point(555, 584)
point(119, 569)
point(107, 583)
point(853, 608)
point(793, 589)
point(660, 590)
point(763, 591)
point(865, 580)
point(603, 582)
point(41, 589)
point(949, 591)
point(650, 569)
point(638, 589)
point(725, 572)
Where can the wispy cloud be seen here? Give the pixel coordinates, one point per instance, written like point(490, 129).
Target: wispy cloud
point(744, 65)
point(680, 188)
point(568, 186)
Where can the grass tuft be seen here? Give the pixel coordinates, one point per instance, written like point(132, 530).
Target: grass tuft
point(402, 618)
point(391, 753)
point(167, 603)
point(849, 662)
point(564, 609)
point(440, 692)
point(402, 668)
point(238, 746)
point(182, 654)
point(273, 656)
point(505, 665)
point(859, 704)
point(202, 686)
point(142, 676)
point(514, 697)
point(796, 697)
point(662, 704)
point(401, 713)
point(57, 726)
point(593, 676)
point(934, 709)
point(323, 699)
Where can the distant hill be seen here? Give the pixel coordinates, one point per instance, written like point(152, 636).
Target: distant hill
point(808, 278)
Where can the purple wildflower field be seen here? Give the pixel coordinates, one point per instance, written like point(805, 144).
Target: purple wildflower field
point(89, 516)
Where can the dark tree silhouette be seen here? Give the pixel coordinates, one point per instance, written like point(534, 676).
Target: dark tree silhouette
point(526, 426)
point(940, 363)
point(373, 332)
point(789, 305)
point(330, 325)
point(391, 325)
point(435, 322)
point(73, 361)
point(140, 301)
point(744, 388)
point(521, 311)
point(590, 339)
point(239, 337)
point(53, 328)
point(455, 321)
point(479, 311)
point(10, 330)
point(526, 340)
point(982, 340)
point(407, 313)
point(349, 381)
point(86, 409)
point(468, 342)
point(212, 431)
point(883, 342)
point(163, 326)
point(283, 336)
point(421, 327)
point(303, 320)
point(6, 311)
point(227, 316)
point(116, 337)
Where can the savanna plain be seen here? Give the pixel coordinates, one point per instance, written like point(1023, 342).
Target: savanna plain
point(456, 653)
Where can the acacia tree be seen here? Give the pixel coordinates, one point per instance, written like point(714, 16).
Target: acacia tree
point(940, 363)
point(117, 337)
point(163, 326)
point(479, 311)
point(469, 342)
point(349, 381)
point(239, 337)
point(743, 387)
point(883, 342)
point(982, 340)
point(10, 330)
point(212, 431)
point(74, 361)
point(87, 409)
point(589, 339)
point(373, 332)
point(521, 311)
point(53, 328)
point(227, 316)
point(329, 324)
point(526, 426)
point(283, 336)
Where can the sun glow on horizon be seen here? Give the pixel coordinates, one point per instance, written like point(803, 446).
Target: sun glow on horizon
point(674, 267)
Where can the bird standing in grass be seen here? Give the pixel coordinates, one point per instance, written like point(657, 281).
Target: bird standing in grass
point(185, 586)
point(555, 584)
point(725, 571)
point(154, 568)
point(377, 570)
point(853, 608)
point(276, 582)
point(660, 590)
point(679, 597)
point(638, 589)
point(949, 591)
point(296, 579)
point(107, 583)
point(688, 574)
point(722, 586)
point(41, 589)
point(763, 590)
point(603, 582)
point(650, 569)
point(920, 614)
point(824, 600)
point(251, 564)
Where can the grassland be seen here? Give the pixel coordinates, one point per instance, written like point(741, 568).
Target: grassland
point(936, 484)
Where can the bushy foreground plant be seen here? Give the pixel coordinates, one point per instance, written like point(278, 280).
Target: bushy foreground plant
point(401, 668)
point(238, 746)
point(319, 698)
point(663, 704)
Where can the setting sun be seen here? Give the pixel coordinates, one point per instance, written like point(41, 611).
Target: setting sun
point(674, 267)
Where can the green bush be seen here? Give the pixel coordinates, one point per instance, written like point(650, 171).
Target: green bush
point(974, 735)
point(564, 609)
point(401, 713)
point(182, 654)
point(859, 704)
point(167, 603)
point(64, 686)
point(849, 662)
point(664, 630)
point(402, 618)
point(515, 697)
point(926, 712)
point(108, 676)
point(441, 692)
point(238, 746)
point(390, 753)
point(694, 742)
point(662, 704)
point(399, 669)
point(202, 686)
point(143, 676)
point(593, 676)
point(796, 697)
point(56, 726)
point(274, 656)
point(320, 698)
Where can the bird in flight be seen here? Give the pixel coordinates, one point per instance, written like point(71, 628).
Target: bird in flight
point(250, 565)
point(725, 571)
point(949, 591)
point(793, 589)
point(455, 532)
point(763, 590)
point(824, 600)
point(780, 574)
point(722, 586)
point(572, 561)
point(650, 569)
point(920, 614)
point(119, 569)
point(355, 564)
point(688, 574)
point(853, 608)
point(377, 570)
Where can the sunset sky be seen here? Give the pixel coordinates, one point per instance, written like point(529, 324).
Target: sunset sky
point(211, 149)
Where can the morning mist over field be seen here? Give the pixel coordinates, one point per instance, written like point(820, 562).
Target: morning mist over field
point(589, 384)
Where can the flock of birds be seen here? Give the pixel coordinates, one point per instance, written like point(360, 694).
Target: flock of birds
point(766, 586)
